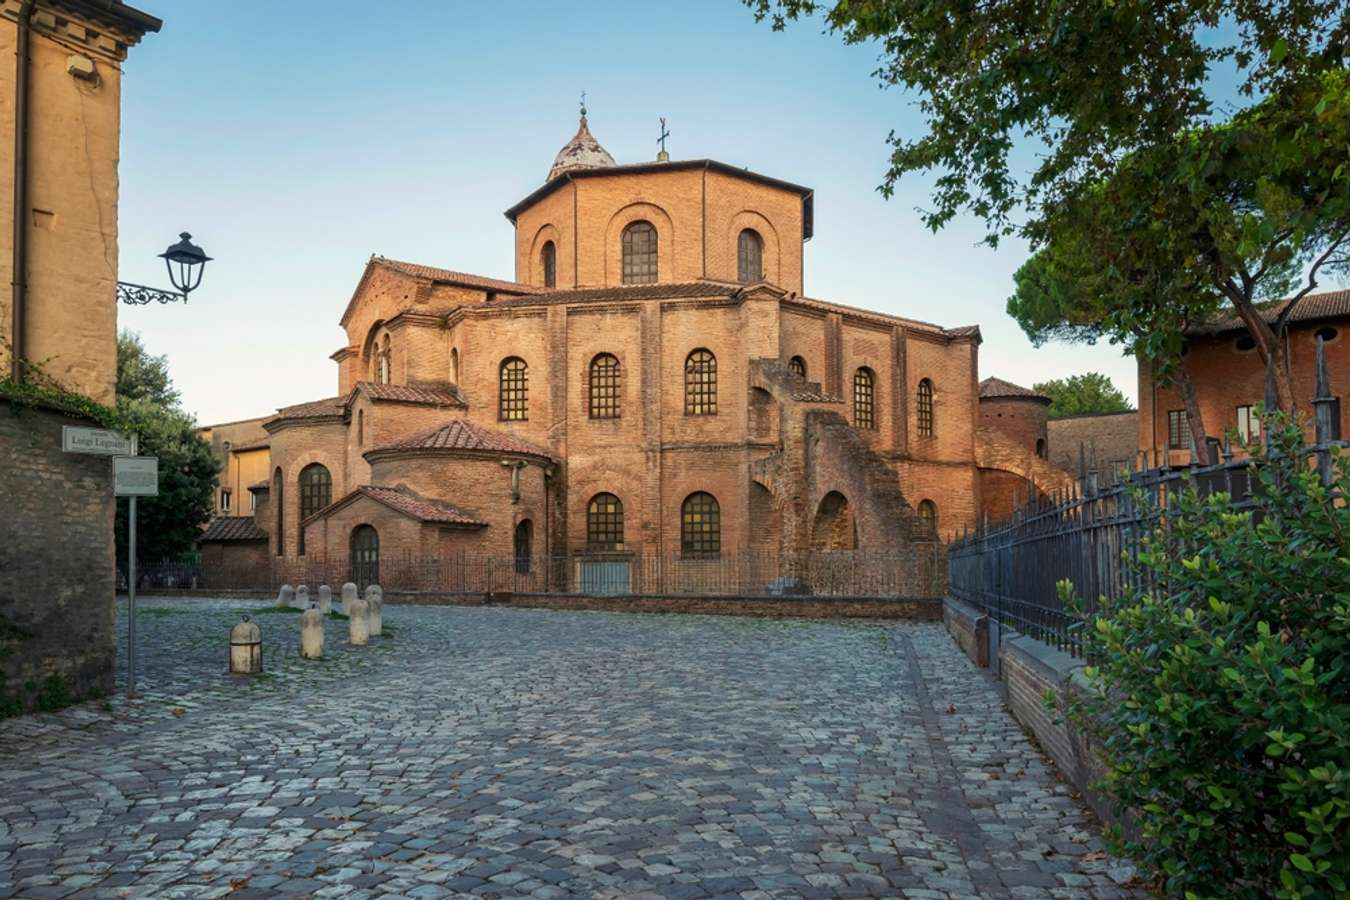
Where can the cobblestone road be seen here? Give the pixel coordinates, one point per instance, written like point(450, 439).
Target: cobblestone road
point(497, 752)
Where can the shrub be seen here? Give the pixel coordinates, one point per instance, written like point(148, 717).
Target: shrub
point(1220, 695)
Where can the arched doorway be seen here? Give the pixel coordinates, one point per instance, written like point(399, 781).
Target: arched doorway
point(834, 528)
point(523, 546)
point(365, 556)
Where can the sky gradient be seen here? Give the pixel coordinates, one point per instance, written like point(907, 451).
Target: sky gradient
point(293, 140)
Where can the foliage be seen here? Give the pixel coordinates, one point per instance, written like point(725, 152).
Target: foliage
point(1220, 696)
point(1087, 394)
point(141, 376)
point(1089, 81)
point(169, 523)
point(40, 390)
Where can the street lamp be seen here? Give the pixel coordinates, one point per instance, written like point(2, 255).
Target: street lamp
point(185, 261)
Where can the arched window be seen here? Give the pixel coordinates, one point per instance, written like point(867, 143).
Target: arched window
point(700, 383)
point(523, 540)
point(700, 527)
point(316, 492)
point(604, 524)
point(1040, 447)
point(548, 260)
point(454, 365)
point(365, 555)
point(604, 387)
point(928, 512)
point(513, 394)
point(639, 253)
point(797, 366)
point(925, 408)
point(360, 428)
point(749, 256)
point(864, 398)
point(278, 486)
point(383, 362)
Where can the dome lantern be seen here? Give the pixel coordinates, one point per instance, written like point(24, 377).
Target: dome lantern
point(583, 151)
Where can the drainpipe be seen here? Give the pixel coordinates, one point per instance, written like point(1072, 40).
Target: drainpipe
point(20, 262)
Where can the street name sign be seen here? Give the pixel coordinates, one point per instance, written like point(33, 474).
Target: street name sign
point(136, 476)
point(76, 439)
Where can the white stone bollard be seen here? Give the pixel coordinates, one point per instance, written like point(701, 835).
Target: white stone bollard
point(358, 624)
point(375, 610)
point(302, 597)
point(311, 634)
point(285, 595)
point(348, 597)
point(246, 648)
point(325, 600)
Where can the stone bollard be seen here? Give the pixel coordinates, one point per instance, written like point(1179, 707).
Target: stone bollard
point(302, 596)
point(325, 600)
point(311, 634)
point(245, 648)
point(375, 610)
point(348, 597)
point(286, 595)
point(358, 623)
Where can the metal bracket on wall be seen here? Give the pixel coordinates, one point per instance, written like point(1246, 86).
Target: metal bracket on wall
point(140, 295)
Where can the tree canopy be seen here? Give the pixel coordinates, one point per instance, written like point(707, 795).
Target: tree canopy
point(1079, 395)
point(147, 404)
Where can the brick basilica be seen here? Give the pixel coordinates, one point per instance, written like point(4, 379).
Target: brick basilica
point(655, 383)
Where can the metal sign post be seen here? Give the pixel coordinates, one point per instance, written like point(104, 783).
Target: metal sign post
point(133, 476)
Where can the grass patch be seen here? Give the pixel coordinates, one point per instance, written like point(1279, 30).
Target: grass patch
point(337, 616)
point(387, 630)
point(158, 612)
point(267, 610)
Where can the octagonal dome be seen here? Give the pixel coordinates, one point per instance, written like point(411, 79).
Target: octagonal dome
point(583, 151)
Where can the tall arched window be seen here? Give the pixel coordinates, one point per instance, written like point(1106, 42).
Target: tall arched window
point(928, 512)
point(925, 408)
point(513, 390)
point(604, 387)
point(548, 260)
point(749, 256)
point(797, 366)
point(864, 398)
point(279, 499)
point(383, 362)
point(316, 492)
point(700, 527)
point(1040, 447)
point(604, 524)
point(365, 555)
point(639, 253)
point(700, 383)
point(522, 546)
point(360, 428)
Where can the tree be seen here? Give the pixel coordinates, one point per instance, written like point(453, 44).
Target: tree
point(1091, 393)
point(147, 404)
point(1218, 699)
point(1120, 96)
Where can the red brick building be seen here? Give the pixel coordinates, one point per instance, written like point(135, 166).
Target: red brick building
point(653, 383)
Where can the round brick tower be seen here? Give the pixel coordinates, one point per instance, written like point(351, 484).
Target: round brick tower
point(1016, 411)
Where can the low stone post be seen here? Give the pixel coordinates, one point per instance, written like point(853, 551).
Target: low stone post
point(358, 624)
point(375, 610)
point(302, 596)
point(245, 648)
point(311, 634)
point(285, 595)
point(348, 597)
point(325, 600)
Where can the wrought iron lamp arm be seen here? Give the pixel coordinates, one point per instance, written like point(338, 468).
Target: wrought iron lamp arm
point(140, 295)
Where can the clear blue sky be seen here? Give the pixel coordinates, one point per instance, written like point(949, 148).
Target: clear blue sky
point(295, 139)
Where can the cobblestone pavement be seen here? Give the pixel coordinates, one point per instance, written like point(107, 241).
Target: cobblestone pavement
point(500, 752)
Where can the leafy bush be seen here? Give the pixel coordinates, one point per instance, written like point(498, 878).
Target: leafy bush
point(1220, 696)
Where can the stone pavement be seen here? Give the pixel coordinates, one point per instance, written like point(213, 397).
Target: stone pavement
point(503, 752)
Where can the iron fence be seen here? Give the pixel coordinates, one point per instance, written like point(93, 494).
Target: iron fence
point(919, 573)
point(1093, 538)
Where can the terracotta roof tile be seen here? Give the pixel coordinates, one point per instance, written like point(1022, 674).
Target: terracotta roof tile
point(314, 409)
point(263, 485)
point(232, 528)
point(992, 388)
point(416, 507)
point(458, 434)
point(1312, 308)
point(422, 395)
point(662, 291)
point(261, 443)
point(463, 279)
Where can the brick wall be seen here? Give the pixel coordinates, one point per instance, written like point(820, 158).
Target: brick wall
point(1108, 442)
point(56, 560)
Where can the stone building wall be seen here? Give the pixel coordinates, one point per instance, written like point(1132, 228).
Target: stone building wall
point(56, 562)
point(1108, 442)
